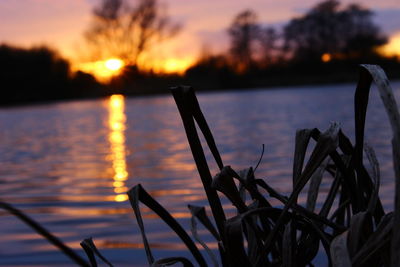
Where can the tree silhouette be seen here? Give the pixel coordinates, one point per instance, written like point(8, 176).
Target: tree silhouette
point(361, 34)
point(243, 33)
point(268, 38)
point(121, 30)
point(329, 29)
point(40, 74)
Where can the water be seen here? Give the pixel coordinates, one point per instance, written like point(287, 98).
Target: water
point(68, 164)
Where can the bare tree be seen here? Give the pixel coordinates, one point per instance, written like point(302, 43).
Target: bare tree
point(268, 39)
point(126, 31)
point(243, 33)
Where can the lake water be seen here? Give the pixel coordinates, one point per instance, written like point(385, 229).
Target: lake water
point(69, 164)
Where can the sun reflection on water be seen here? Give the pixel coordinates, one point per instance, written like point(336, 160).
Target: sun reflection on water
point(117, 122)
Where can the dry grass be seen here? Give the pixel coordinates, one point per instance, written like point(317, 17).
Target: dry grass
point(349, 223)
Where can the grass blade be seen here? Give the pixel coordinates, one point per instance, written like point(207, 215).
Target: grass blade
point(378, 75)
point(288, 245)
point(361, 228)
point(191, 98)
point(91, 250)
point(138, 194)
point(224, 183)
point(378, 240)
point(315, 182)
point(46, 234)
point(199, 212)
point(339, 254)
point(186, 112)
point(327, 143)
point(302, 140)
point(369, 151)
point(171, 261)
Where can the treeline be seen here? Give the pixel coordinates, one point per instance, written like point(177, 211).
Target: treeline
point(39, 74)
point(324, 45)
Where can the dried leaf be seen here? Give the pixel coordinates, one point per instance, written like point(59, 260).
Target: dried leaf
point(339, 254)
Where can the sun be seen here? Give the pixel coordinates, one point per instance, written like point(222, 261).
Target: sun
point(103, 70)
point(113, 64)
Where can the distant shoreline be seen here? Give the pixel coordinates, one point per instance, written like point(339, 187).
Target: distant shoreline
point(165, 91)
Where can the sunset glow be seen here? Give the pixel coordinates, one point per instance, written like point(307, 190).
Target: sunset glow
point(176, 65)
point(103, 70)
point(114, 64)
point(62, 23)
point(393, 47)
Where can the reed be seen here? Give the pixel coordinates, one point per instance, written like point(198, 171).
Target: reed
point(349, 226)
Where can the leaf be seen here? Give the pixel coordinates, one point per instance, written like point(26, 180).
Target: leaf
point(91, 250)
point(315, 182)
point(360, 229)
point(200, 214)
point(333, 191)
point(171, 261)
point(288, 243)
point(302, 140)
point(234, 243)
point(138, 194)
point(376, 242)
point(339, 254)
point(369, 151)
point(378, 75)
point(190, 96)
point(185, 98)
point(224, 183)
point(249, 182)
point(261, 157)
point(327, 143)
point(46, 234)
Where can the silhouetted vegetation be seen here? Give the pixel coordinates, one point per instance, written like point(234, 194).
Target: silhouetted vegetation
point(39, 74)
point(325, 45)
point(127, 32)
point(334, 32)
point(341, 220)
point(243, 31)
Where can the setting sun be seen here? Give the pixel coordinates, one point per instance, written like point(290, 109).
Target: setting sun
point(103, 70)
point(114, 64)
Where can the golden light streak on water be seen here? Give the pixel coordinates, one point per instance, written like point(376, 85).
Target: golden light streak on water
point(117, 125)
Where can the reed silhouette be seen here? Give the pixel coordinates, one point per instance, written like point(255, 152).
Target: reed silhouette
point(349, 223)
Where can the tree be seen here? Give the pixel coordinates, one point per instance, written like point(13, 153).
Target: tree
point(361, 34)
point(268, 38)
point(124, 31)
point(243, 33)
point(329, 29)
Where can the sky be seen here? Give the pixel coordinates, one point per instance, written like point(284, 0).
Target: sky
point(61, 23)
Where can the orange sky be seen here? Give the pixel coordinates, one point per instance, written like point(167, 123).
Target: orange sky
point(60, 23)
